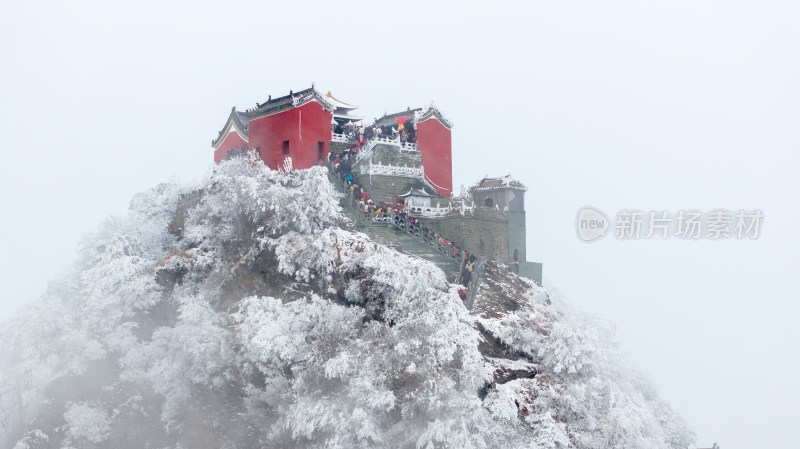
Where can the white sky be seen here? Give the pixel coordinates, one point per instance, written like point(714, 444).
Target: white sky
point(617, 105)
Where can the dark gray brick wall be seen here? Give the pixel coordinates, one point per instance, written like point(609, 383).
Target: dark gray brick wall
point(516, 235)
point(485, 233)
point(380, 187)
point(531, 270)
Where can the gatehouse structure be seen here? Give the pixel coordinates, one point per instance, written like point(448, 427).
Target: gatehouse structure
point(395, 170)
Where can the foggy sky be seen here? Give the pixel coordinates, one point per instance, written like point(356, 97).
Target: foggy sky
point(616, 105)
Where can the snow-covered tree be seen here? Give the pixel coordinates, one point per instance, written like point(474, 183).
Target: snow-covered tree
point(268, 323)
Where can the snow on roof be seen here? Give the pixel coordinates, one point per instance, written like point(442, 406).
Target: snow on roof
point(416, 192)
point(505, 182)
point(294, 99)
point(432, 111)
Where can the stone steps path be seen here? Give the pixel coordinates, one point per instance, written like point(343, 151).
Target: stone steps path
point(389, 235)
point(393, 237)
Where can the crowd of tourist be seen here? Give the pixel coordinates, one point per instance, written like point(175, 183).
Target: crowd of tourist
point(404, 131)
point(394, 213)
point(342, 165)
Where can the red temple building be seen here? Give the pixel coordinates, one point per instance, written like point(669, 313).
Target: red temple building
point(400, 164)
point(301, 126)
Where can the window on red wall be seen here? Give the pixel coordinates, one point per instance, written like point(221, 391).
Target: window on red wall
point(285, 147)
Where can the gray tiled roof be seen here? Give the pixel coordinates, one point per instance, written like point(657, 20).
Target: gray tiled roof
point(505, 182)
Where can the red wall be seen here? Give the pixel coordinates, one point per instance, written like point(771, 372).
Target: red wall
point(269, 133)
point(231, 141)
point(435, 144)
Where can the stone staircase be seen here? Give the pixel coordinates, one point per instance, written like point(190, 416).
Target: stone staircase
point(390, 235)
point(396, 238)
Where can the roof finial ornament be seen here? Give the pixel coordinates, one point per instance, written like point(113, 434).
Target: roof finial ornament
point(290, 92)
point(270, 98)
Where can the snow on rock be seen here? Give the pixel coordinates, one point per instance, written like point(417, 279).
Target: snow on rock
point(582, 394)
point(267, 324)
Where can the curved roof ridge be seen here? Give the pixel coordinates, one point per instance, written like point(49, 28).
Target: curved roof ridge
point(335, 100)
point(234, 120)
point(433, 111)
point(497, 183)
point(416, 192)
point(294, 99)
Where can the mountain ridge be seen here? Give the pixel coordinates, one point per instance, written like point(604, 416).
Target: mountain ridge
point(271, 323)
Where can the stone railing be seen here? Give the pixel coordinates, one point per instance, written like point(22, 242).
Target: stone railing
point(423, 234)
point(408, 146)
point(365, 150)
point(392, 170)
point(388, 141)
point(462, 205)
point(342, 138)
point(429, 211)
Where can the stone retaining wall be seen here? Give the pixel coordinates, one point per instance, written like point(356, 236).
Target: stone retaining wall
point(483, 233)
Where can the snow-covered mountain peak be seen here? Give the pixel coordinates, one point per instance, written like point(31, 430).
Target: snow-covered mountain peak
point(270, 323)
